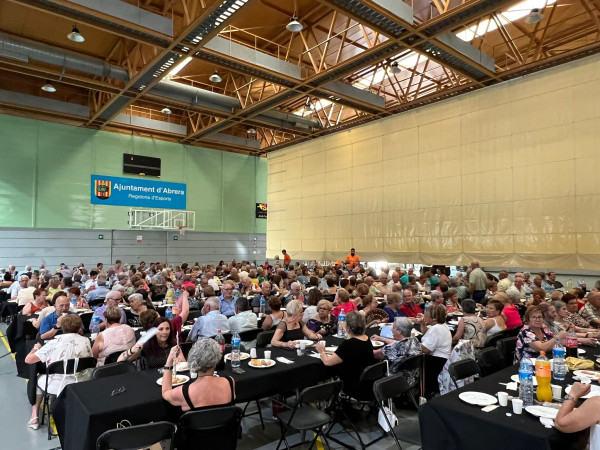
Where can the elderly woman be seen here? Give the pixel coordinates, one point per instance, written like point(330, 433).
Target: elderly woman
point(207, 390)
point(39, 302)
point(291, 328)
point(462, 291)
point(68, 345)
point(512, 318)
point(495, 322)
point(247, 286)
point(373, 314)
point(392, 308)
point(436, 298)
point(276, 315)
point(400, 348)
point(353, 354)
point(573, 316)
point(331, 287)
point(147, 319)
point(343, 303)
point(314, 297)
point(75, 292)
point(534, 337)
point(153, 353)
point(323, 322)
point(383, 287)
point(537, 296)
point(115, 337)
point(585, 336)
point(451, 300)
point(437, 339)
point(470, 326)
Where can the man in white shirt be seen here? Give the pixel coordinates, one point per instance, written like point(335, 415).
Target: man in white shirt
point(14, 288)
point(477, 282)
point(211, 321)
point(243, 320)
point(26, 294)
point(91, 281)
point(211, 281)
point(504, 282)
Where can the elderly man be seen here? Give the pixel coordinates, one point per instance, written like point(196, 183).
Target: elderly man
point(16, 287)
point(227, 299)
point(591, 310)
point(50, 326)
point(265, 288)
point(244, 320)
point(100, 291)
point(395, 279)
point(113, 298)
point(210, 322)
point(477, 282)
point(552, 280)
point(503, 281)
point(26, 295)
point(294, 294)
point(408, 306)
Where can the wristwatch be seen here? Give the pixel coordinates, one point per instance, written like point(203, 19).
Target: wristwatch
point(168, 368)
point(568, 397)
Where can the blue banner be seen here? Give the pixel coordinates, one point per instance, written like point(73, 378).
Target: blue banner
point(118, 191)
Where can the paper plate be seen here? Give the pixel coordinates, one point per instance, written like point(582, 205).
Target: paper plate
point(182, 367)
point(516, 378)
point(377, 344)
point(453, 322)
point(580, 351)
point(478, 398)
point(331, 349)
point(306, 342)
point(542, 411)
point(242, 356)
point(594, 375)
point(182, 379)
point(594, 392)
point(262, 364)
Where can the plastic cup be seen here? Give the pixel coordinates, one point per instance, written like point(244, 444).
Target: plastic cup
point(517, 405)
point(93, 336)
point(193, 375)
point(253, 353)
point(267, 354)
point(556, 391)
point(503, 398)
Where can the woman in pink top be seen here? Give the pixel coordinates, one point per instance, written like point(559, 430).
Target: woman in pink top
point(344, 303)
point(510, 311)
point(116, 337)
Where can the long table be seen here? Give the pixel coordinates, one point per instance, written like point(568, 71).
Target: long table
point(449, 423)
point(89, 409)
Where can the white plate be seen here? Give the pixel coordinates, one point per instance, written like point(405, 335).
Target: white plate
point(182, 367)
point(242, 356)
point(516, 378)
point(453, 322)
point(377, 344)
point(594, 392)
point(187, 327)
point(306, 342)
point(331, 349)
point(588, 373)
point(580, 351)
point(83, 310)
point(270, 361)
point(184, 377)
point(542, 411)
point(478, 398)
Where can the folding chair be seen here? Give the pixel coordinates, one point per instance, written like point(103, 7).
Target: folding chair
point(490, 360)
point(462, 369)
point(113, 357)
point(263, 338)
point(507, 347)
point(210, 428)
point(137, 436)
point(109, 370)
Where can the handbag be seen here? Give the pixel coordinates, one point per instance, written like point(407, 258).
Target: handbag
point(386, 411)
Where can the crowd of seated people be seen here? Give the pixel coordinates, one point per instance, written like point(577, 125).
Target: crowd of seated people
point(296, 302)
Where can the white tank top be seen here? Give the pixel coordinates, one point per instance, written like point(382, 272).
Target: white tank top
point(495, 329)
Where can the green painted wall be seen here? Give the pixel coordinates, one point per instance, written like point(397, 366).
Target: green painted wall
point(45, 178)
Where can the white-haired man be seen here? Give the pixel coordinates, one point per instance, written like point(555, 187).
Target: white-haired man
point(210, 322)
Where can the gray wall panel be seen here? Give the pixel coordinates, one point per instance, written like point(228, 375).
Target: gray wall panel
point(21, 246)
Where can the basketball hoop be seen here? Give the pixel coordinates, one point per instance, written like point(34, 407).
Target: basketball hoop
point(181, 230)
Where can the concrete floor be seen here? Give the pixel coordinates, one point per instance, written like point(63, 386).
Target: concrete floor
point(15, 412)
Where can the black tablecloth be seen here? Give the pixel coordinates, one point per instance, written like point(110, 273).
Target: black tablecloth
point(91, 410)
point(449, 423)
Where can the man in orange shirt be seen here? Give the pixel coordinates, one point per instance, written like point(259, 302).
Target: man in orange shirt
point(352, 258)
point(286, 258)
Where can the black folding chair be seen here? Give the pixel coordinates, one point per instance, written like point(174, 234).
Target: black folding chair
point(513, 332)
point(86, 318)
point(95, 302)
point(137, 436)
point(507, 347)
point(490, 360)
point(210, 428)
point(109, 370)
point(58, 367)
point(465, 368)
point(432, 366)
point(408, 365)
point(250, 335)
point(387, 388)
point(492, 340)
point(113, 357)
point(363, 393)
point(263, 338)
point(303, 416)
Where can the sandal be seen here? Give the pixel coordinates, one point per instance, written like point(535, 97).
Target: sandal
point(33, 423)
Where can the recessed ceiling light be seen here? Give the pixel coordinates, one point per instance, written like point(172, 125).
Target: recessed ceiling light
point(215, 78)
point(294, 26)
point(534, 16)
point(48, 87)
point(75, 35)
point(394, 68)
point(165, 110)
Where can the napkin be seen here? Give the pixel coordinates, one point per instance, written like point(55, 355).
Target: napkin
point(283, 360)
point(548, 423)
point(512, 386)
point(315, 355)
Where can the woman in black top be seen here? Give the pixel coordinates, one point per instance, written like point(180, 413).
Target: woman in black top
point(291, 327)
point(353, 355)
point(154, 353)
point(207, 391)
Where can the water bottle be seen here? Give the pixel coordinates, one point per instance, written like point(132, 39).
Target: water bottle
point(220, 340)
point(262, 308)
point(74, 302)
point(169, 313)
point(95, 324)
point(526, 382)
point(570, 284)
point(341, 332)
point(176, 295)
point(559, 368)
point(235, 350)
point(107, 285)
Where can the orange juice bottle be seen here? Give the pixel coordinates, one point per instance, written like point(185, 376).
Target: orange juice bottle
point(543, 375)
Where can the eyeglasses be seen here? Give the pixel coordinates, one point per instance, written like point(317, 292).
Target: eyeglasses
point(537, 318)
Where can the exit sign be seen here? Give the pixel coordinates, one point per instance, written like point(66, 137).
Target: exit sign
point(100, 236)
point(175, 238)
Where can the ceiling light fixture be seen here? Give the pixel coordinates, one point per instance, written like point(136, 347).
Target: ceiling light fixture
point(251, 131)
point(215, 78)
point(394, 68)
point(309, 105)
point(165, 110)
point(534, 16)
point(48, 87)
point(294, 26)
point(75, 35)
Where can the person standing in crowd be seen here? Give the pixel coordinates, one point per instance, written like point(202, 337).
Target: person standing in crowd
point(352, 259)
point(286, 258)
point(477, 282)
